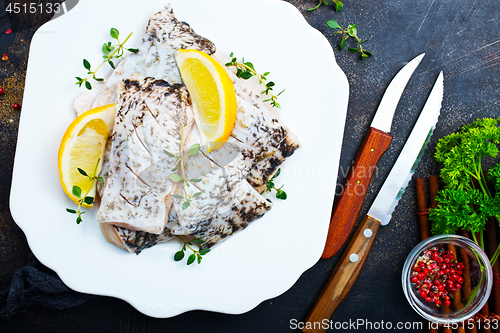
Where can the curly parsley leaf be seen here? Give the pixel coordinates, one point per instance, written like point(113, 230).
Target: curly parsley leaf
point(468, 200)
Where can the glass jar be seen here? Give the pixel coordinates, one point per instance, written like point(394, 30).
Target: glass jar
point(477, 271)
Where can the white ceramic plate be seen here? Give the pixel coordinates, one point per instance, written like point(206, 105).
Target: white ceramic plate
point(254, 265)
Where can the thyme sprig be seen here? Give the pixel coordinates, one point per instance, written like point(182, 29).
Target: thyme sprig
point(111, 52)
point(350, 31)
point(196, 255)
point(179, 171)
point(246, 70)
point(337, 5)
point(280, 194)
point(84, 199)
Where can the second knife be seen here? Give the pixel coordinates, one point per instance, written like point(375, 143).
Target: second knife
point(376, 142)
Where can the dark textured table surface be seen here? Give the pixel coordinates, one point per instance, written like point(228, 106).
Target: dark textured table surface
point(460, 38)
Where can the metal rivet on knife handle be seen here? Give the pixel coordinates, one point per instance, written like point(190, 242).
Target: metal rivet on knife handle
point(346, 272)
point(344, 275)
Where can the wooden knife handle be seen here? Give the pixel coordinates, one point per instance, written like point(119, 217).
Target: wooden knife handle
point(347, 207)
point(344, 275)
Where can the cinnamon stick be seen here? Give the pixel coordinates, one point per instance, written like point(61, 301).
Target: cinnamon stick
point(433, 190)
point(491, 246)
point(423, 221)
point(466, 286)
point(422, 210)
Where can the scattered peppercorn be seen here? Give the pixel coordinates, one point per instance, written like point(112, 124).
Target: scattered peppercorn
point(5, 57)
point(8, 31)
point(16, 106)
point(1, 91)
point(437, 275)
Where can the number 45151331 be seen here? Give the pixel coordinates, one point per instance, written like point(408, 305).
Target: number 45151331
point(32, 8)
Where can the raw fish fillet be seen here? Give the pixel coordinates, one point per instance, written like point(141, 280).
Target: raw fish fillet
point(137, 209)
point(131, 240)
point(163, 36)
point(264, 140)
point(137, 188)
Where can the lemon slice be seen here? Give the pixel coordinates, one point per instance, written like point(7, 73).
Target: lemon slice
point(83, 146)
point(212, 93)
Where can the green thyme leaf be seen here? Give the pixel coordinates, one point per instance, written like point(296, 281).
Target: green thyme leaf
point(196, 254)
point(169, 153)
point(342, 43)
point(114, 33)
point(89, 200)
point(191, 259)
point(86, 64)
point(270, 185)
point(72, 211)
point(77, 191)
point(245, 70)
point(110, 52)
point(179, 255)
point(194, 149)
point(186, 204)
point(82, 172)
point(280, 194)
point(175, 178)
point(350, 32)
point(204, 251)
point(332, 24)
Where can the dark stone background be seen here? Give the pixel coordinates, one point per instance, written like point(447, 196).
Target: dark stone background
point(461, 38)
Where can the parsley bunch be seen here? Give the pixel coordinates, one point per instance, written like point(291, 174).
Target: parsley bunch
point(467, 201)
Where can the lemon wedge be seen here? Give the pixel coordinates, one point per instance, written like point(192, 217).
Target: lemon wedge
point(212, 93)
point(82, 147)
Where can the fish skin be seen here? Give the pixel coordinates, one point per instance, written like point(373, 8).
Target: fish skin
point(137, 183)
point(163, 35)
point(263, 142)
point(246, 206)
point(264, 139)
point(131, 240)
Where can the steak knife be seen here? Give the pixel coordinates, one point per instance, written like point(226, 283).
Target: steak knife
point(349, 266)
point(375, 143)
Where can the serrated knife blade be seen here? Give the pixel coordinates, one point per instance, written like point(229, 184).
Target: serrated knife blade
point(400, 175)
point(350, 264)
point(374, 145)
